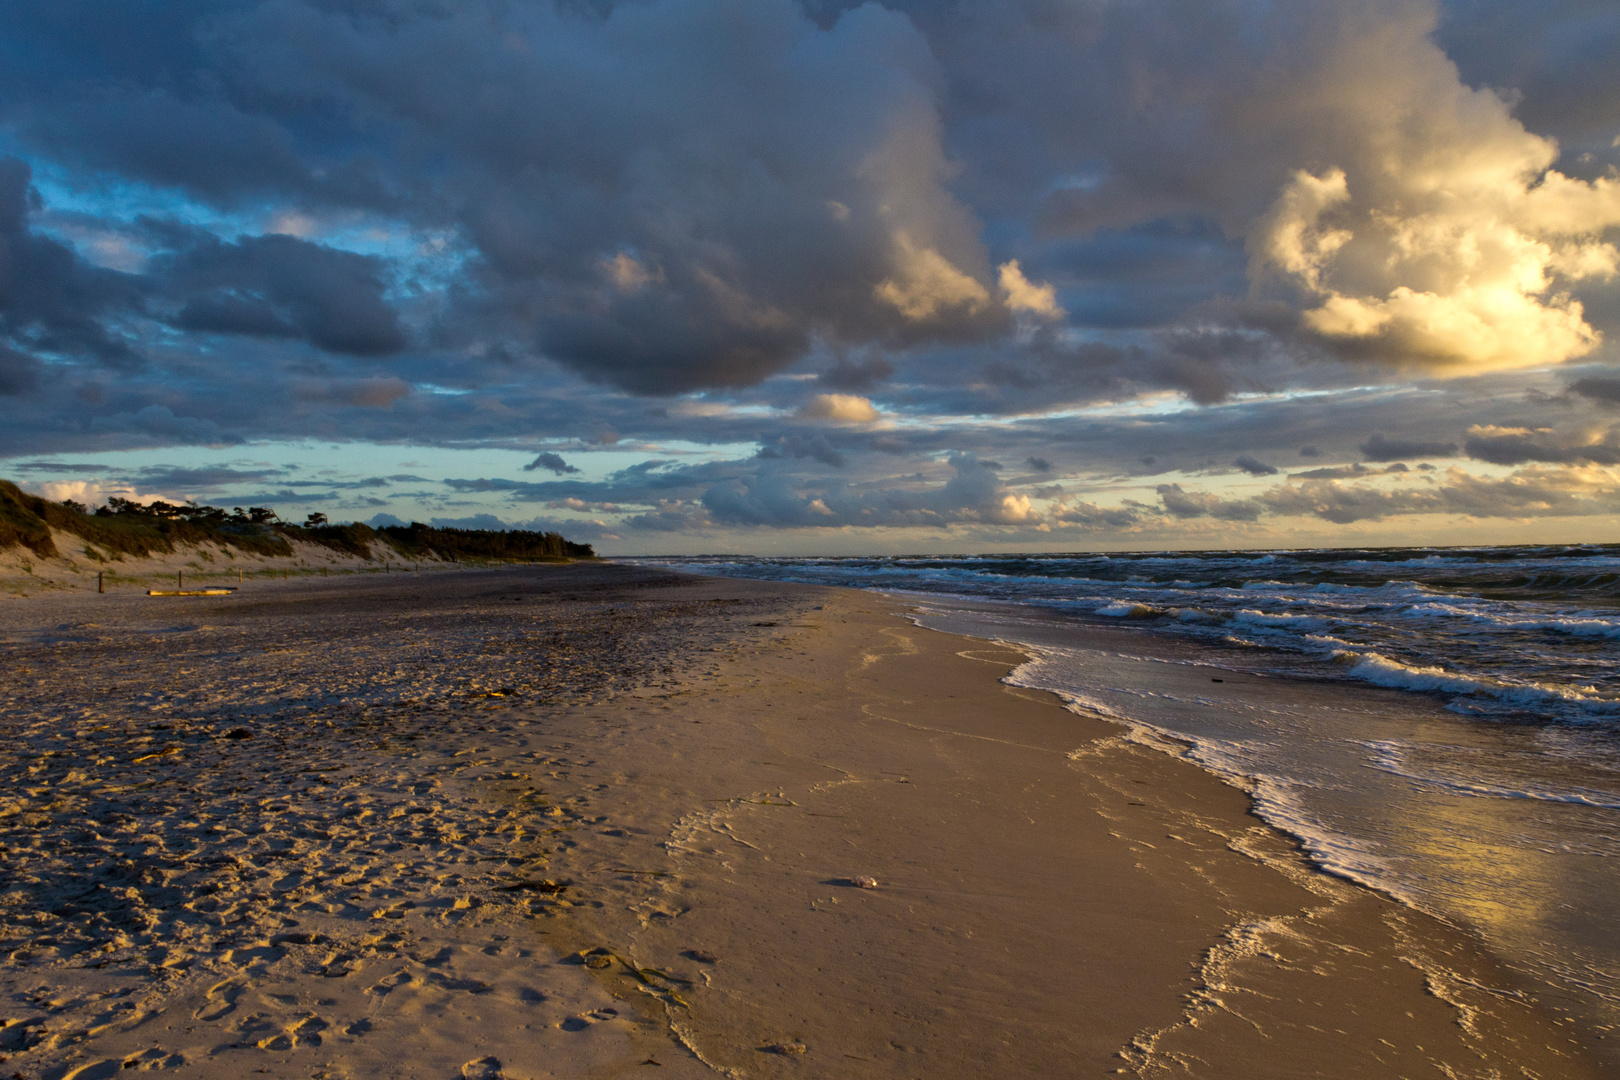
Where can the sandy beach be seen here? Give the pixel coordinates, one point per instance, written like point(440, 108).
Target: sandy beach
point(591, 820)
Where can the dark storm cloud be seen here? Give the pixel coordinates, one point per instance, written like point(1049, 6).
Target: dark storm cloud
point(281, 286)
point(1382, 448)
point(159, 423)
point(19, 372)
point(1146, 275)
point(657, 197)
point(1599, 388)
point(51, 301)
point(1254, 467)
point(1519, 447)
point(859, 376)
point(552, 463)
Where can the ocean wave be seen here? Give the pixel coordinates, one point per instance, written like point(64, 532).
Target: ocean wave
point(1126, 609)
point(1260, 620)
point(1471, 623)
point(1380, 670)
point(1579, 625)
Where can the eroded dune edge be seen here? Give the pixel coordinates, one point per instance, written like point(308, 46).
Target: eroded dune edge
point(589, 820)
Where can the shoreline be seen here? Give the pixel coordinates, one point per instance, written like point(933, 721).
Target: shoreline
point(732, 758)
point(1426, 848)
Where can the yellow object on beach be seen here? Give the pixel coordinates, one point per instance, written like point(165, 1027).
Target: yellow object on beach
point(189, 592)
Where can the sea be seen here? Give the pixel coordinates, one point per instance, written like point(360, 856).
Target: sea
point(1440, 724)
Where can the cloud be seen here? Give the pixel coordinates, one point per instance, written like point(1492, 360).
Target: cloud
point(629, 275)
point(1445, 237)
point(19, 373)
point(1533, 492)
point(1039, 464)
point(973, 493)
point(1380, 448)
point(852, 376)
point(840, 409)
point(552, 463)
point(159, 424)
point(1023, 295)
point(51, 301)
point(1515, 446)
point(801, 446)
point(1253, 467)
point(189, 479)
point(1599, 388)
point(926, 283)
point(1191, 504)
point(475, 521)
point(1346, 472)
point(281, 286)
point(377, 393)
point(1091, 517)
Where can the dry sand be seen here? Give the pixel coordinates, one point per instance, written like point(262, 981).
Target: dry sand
point(594, 820)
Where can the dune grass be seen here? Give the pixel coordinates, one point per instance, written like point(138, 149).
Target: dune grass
point(123, 529)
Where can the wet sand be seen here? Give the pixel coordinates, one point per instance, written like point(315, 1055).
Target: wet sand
point(588, 820)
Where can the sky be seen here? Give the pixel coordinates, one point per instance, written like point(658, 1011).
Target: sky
point(815, 277)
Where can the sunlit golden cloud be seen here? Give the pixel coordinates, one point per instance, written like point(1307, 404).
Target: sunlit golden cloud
point(1455, 248)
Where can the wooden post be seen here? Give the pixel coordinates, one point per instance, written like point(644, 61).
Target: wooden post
point(100, 586)
point(239, 575)
point(179, 579)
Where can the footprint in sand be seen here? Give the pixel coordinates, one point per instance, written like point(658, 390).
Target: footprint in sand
point(221, 1001)
point(154, 1058)
point(307, 1032)
point(585, 1020)
point(485, 1068)
point(385, 986)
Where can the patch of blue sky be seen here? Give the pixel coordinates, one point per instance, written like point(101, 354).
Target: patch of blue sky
point(304, 464)
point(436, 255)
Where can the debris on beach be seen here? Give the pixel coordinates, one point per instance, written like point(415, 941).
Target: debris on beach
point(702, 956)
point(861, 881)
point(785, 1048)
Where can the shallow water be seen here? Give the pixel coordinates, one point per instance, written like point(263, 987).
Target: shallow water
point(1443, 724)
